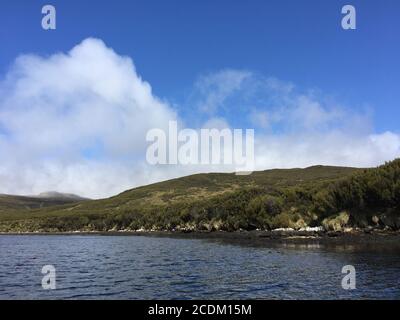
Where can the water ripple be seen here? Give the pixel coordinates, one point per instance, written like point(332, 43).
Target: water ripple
point(96, 267)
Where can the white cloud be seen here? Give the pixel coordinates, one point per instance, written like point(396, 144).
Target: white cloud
point(298, 129)
point(77, 122)
point(215, 88)
point(259, 118)
point(328, 148)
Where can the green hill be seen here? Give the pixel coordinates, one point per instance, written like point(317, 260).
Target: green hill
point(10, 203)
point(332, 196)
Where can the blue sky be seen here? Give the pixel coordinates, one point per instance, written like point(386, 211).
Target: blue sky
point(315, 93)
point(173, 42)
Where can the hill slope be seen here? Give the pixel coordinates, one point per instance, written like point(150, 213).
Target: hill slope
point(11, 202)
point(67, 197)
point(153, 200)
point(333, 196)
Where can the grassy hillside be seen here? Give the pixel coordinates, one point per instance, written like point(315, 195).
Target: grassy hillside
point(149, 202)
point(368, 197)
point(332, 196)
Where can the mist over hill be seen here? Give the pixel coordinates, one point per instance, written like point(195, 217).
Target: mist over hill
point(11, 203)
point(58, 195)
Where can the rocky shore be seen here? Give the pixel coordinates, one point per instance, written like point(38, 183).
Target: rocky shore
point(367, 236)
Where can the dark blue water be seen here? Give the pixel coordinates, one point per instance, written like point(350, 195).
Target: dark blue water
point(133, 267)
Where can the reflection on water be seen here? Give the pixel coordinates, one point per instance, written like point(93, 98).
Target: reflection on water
point(113, 267)
point(302, 246)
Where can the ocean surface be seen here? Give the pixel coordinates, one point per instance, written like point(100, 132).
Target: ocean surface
point(142, 267)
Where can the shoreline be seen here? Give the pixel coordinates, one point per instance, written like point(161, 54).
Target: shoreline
point(358, 237)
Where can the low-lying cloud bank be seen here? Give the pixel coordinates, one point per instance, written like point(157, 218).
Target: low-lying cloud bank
point(77, 122)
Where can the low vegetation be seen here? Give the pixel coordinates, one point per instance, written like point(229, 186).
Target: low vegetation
point(332, 197)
